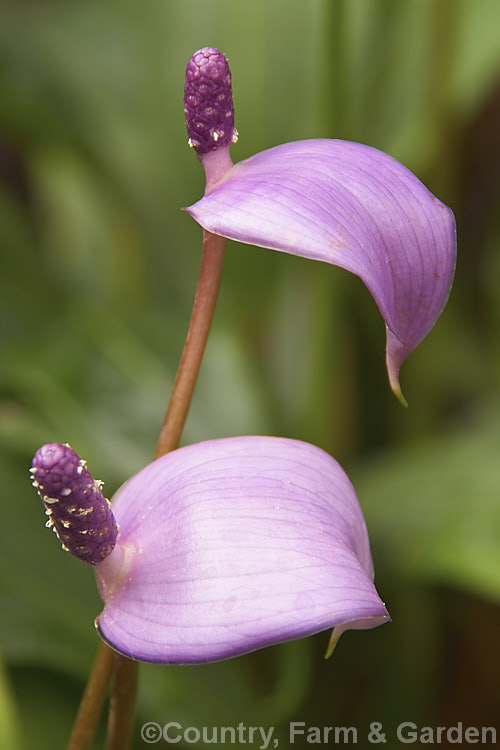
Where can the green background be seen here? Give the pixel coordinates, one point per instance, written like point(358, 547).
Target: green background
point(98, 270)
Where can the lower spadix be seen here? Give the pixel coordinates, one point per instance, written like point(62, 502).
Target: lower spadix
point(231, 545)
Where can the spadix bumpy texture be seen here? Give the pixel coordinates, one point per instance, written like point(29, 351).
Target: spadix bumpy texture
point(231, 545)
point(350, 205)
point(78, 511)
point(208, 101)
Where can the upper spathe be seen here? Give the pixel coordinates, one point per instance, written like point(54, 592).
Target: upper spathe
point(355, 207)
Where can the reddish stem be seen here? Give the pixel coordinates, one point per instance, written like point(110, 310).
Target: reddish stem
point(92, 700)
point(205, 299)
point(121, 715)
point(122, 706)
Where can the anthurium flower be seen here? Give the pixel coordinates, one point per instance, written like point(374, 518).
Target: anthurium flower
point(230, 545)
point(223, 547)
point(337, 201)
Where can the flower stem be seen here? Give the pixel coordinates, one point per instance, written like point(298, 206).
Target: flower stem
point(121, 712)
point(122, 706)
point(93, 700)
point(205, 299)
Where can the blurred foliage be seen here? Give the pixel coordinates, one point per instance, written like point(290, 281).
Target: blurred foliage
point(98, 268)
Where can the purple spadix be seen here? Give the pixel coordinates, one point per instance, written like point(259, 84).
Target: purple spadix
point(208, 101)
point(78, 511)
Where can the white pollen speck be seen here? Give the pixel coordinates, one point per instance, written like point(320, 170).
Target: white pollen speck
point(215, 136)
point(190, 143)
point(50, 500)
point(79, 469)
point(67, 491)
point(64, 548)
point(49, 524)
point(66, 524)
point(234, 137)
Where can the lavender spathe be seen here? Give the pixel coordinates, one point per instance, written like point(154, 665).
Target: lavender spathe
point(355, 207)
point(239, 543)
